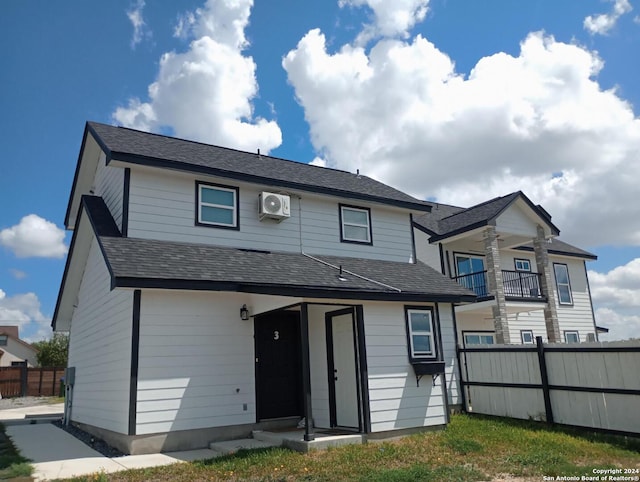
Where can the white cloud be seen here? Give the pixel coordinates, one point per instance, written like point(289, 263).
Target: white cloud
point(602, 23)
point(617, 296)
point(318, 161)
point(390, 19)
point(621, 327)
point(537, 122)
point(23, 310)
point(18, 274)
point(206, 93)
point(34, 237)
point(140, 29)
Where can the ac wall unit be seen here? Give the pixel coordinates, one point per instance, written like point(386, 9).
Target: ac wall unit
point(274, 206)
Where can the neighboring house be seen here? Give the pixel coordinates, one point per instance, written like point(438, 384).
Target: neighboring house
point(209, 292)
point(14, 351)
point(528, 282)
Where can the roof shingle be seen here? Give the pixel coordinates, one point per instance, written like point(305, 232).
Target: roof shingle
point(134, 146)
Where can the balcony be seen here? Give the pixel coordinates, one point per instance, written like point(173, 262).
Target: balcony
point(518, 285)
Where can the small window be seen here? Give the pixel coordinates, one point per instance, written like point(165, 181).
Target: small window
point(355, 225)
point(479, 338)
point(3, 340)
point(527, 337)
point(523, 265)
point(571, 337)
point(562, 283)
point(420, 332)
point(217, 205)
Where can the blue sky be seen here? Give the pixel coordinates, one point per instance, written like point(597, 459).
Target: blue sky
point(449, 100)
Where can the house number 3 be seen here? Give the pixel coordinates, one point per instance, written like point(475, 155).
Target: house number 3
point(276, 335)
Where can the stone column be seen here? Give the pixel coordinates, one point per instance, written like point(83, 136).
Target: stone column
point(496, 285)
point(547, 285)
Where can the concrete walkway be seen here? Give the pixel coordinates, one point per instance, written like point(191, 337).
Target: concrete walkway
point(51, 410)
point(57, 454)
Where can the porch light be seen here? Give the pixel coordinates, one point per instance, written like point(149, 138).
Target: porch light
point(244, 313)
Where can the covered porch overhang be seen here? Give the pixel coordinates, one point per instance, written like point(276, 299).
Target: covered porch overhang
point(484, 308)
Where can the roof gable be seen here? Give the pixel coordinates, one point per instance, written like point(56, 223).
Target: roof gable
point(450, 221)
point(143, 148)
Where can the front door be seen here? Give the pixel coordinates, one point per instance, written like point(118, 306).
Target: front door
point(278, 362)
point(343, 375)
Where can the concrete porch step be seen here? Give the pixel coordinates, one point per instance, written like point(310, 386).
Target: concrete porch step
point(274, 438)
point(295, 439)
point(228, 447)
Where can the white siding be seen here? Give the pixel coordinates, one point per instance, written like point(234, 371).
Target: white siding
point(579, 315)
point(109, 183)
point(429, 254)
point(395, 400)
point(196, 363)
point(162, 206)
point(452, 373)
point(100, 349)
point(515, 221)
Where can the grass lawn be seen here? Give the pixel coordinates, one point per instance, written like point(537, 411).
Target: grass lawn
point(13, 466)
point(471, 448)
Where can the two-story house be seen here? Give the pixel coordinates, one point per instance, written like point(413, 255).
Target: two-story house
point(528, 282)
point(209, 292)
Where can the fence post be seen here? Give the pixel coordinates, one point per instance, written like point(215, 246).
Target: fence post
point(544, 377)
point(24, 373)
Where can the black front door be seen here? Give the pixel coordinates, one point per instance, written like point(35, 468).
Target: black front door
point(278, 365)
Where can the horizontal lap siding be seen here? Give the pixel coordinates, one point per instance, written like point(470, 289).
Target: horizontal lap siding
point(100, 349)
point(109, 184)
point(163, 207)
point(395, 401)
point(578, 316)
point(196, 363)
point(451, 370)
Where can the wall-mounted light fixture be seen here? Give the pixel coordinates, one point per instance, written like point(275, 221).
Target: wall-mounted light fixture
point(244, 313)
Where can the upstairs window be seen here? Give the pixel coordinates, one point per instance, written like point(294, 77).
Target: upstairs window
point(479, 338)
point(355, 225)
point(3, 340)
point(523, 265)
point(562, 283)
point(571, 337)
point(421, 334)
point(217, 205)
point(527, 337)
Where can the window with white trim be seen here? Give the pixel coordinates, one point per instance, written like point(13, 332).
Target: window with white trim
point(571, 337)
point(563, 284)
point(421, 334)
point(522, 264)
point(479, 338)
point(355, 224)
point(3, 340)
point(527, 337)
point(217, 205)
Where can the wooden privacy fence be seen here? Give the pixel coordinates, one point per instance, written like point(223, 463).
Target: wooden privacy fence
point(21, 381)
point(594, 385)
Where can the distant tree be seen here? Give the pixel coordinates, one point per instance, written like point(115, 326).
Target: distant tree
point(53, 352)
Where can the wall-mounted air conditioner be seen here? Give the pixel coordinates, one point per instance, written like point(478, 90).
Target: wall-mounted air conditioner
point(274, 206)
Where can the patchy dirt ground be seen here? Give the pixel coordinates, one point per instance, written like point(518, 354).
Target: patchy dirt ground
point(17, 402)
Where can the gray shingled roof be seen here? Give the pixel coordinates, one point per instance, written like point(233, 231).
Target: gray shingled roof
point(152, 263)
point(557, 246)
point(444, 220)
point(460, 220)
point(145, 148)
